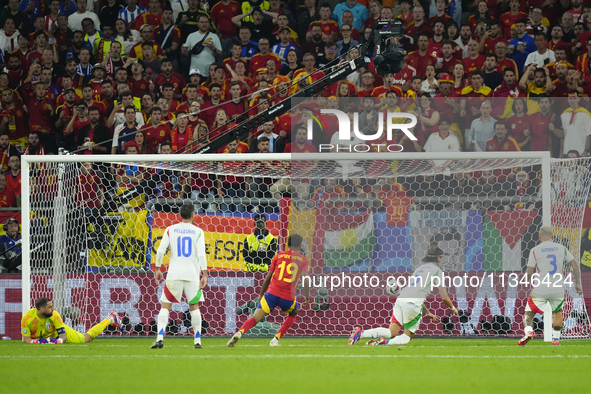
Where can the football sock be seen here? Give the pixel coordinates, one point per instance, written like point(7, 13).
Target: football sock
point(556, 334)
point(376, 333)
point(162, 322)
point(399, 340)
point(250, 323)
point(98, 328)
point(196, 323)
point(285, 326)
point(527, 330)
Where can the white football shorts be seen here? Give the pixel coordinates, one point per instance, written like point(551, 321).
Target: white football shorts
point(174, 289)
point(537, 305)
point(407, 314)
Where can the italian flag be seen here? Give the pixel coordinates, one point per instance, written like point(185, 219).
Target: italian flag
point(342, 240)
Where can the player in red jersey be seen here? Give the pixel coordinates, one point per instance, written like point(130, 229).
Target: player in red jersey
point(279, 289)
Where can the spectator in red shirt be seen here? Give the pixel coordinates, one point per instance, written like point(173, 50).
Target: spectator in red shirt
point(41, 111)
point(482, 12)
point(88, 190)
point(448, 60)
point(129, 175)
point(167, 75)
point(14, 118)
point(231, 185)
point(221, 15)
point(440, 15)
point(34, 144)
point(330, 28)
point(92, 137)
point(236, 106)
point(474, 61)
point(13, 176)
point(89, 98)
point(208, 109)
point(138, 85)
point(153, 17)
point(156, 132)
point(260, 59)
point(7, 197)
point(167, 93)
point(436, 41)
point(519, 125)
point(6, 151)
point(421, 58)
point(300, 144)
point(182, 134)
point(501, 142)
point(419, 27)
point(77, 121)
point(510, 18)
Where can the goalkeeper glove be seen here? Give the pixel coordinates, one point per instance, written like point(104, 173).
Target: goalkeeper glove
point(40, 340)
point(57, 341)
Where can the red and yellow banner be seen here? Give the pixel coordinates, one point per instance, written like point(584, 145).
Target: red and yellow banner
point(224, 237)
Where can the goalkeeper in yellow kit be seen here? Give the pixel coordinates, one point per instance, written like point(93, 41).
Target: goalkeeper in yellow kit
point(44, 325)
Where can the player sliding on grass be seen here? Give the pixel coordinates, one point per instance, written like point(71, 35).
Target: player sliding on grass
point(187, 261)
point(43, 324)
point(282, 282)
point(409, 305)
point(549, 258)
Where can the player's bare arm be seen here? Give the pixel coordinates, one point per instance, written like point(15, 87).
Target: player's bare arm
point(430, 315)
point(266, 283)
point(306, 289)
point(577, 274)
point(158, 276)
point(528, 274)
point(447, 301)
point(204, 279)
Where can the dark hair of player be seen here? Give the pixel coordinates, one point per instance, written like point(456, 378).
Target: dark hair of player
point(187, 210)
point(433, 254)
point(294, 241)
point(41, 302)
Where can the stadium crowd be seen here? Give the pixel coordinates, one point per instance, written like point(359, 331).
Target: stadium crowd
point(99, 77)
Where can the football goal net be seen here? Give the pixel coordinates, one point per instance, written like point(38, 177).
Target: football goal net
point(91, 227)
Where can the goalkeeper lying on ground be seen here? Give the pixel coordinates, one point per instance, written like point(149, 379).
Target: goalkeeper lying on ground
point(44, 325)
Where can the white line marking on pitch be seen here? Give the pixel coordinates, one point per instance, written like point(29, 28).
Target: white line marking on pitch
point(291, 356)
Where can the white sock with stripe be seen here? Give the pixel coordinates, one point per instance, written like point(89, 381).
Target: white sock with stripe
point(399, 340)
point(527, 330)
point(196, 323)
point(162, 322)
point(556, 334)
point(376, 333)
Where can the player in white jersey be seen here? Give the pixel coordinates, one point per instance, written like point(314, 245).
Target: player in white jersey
point(408, 309)
point(549, 258)
point(187, 261)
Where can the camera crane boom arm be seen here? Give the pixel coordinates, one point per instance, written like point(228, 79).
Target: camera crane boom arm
point(241, 131)
point(389, 58)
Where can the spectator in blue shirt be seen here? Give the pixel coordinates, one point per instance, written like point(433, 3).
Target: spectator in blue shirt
point(283, 46)
point(360, 13)
point(10, 247)
point(522, 45)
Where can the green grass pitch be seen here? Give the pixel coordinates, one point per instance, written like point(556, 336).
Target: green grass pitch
point(300, 365)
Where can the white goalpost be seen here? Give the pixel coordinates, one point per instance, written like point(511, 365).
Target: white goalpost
point(90, 232)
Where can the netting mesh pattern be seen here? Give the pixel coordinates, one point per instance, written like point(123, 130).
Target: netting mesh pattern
point(95, 229)
point(299, 166)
